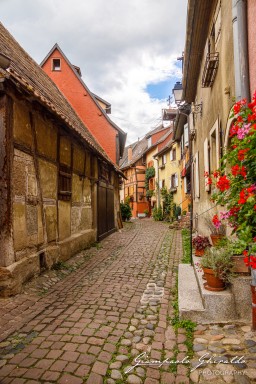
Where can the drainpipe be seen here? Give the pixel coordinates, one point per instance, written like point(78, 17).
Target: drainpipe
point(240, 41)
point(158, 191)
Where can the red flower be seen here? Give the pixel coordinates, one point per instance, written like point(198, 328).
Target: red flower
point(254, 207)
point(242, 153)
point(233, 131)
point(246, 261)
point(243, 172)
point(216, 174)
point(235, 170)
point(209, 181)
point(223, 183)
point(245, 194)
point(237, 108)
point(206, 174)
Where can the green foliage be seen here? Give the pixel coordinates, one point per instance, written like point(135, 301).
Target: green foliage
point(177, 212)
point(186, 246)
point(168, 204)
point(150, 172)
point(126, 211)
point(157, 214)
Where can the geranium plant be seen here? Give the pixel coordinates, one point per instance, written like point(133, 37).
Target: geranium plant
point(235, 181)
point(201, 242)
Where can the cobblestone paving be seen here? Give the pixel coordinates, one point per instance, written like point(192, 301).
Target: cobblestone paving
point(93, 318)
point(227, 354)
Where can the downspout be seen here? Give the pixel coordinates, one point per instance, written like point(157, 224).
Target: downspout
point(158, 189)
point(240, 41)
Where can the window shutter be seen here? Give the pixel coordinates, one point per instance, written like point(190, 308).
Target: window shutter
point(206, 164)
point(160, 184)
point(176, 180)
point(186, 135)
point(196, 176)
point(171, 155)
point(185, 185)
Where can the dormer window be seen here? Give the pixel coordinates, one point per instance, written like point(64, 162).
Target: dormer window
point(56, 64)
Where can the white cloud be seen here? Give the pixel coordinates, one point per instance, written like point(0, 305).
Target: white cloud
point(120, 46)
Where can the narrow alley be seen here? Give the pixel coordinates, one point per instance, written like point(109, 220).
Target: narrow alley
point(91, 325)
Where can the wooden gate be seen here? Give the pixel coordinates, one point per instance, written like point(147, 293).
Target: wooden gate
point(106, 220)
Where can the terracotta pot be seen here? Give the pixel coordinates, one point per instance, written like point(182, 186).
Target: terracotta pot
point(213, 283)
point(199, 252)
point(216, 238)
point(239, 264)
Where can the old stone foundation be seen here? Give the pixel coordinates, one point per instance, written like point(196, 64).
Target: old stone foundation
point(15, 275)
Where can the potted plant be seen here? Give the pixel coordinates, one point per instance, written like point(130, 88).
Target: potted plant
point(200, 243)
point(237, 248)
point(218, 268)
point(218, 231)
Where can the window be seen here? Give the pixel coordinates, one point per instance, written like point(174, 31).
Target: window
point(214, 147)
point(174, 182)
point(186, 135)
point(163, 159)
point(56, 64)
point(173, 154)
point(206, 164)
point(196, 176)
point(65, 184)
point(182, 146)
point(149, 142)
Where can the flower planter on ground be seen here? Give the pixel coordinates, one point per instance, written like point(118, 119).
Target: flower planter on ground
point(239, 265)
point(213, 282)
point(199, 252)
point(216, 239)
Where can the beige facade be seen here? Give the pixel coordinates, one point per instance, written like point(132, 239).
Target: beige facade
point(212, 89)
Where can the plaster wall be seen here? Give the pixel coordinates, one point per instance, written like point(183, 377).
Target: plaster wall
point(216, 104)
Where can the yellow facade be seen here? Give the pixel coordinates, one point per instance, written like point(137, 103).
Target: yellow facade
point(169, 173)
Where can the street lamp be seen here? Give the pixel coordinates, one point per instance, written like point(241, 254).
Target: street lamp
point(177, 92)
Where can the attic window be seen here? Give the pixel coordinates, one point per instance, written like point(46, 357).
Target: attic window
point(56, 64)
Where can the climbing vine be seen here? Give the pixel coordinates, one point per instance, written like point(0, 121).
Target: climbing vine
point(150, 172)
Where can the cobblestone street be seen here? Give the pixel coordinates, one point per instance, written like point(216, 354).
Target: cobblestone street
point(87, 323)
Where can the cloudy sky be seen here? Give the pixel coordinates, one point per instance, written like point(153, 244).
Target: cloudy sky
point(127, 49)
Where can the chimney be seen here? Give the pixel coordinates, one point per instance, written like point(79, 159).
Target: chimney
point(129, 153)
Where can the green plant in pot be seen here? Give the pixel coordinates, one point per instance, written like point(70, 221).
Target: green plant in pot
point(218, 268)
point(200, 243)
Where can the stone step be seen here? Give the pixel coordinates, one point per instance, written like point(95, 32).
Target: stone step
point(198, 304)
point(190, 301)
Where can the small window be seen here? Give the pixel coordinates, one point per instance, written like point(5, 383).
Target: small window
point(56, 64)
point(173, 154)
point(163, 159)
point(65, 183)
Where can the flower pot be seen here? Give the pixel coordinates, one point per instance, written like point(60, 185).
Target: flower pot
point(199, 252)
point(239, 264)
point(216, 238)
point(213, 283)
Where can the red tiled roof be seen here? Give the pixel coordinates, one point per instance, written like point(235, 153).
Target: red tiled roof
point(27, 74)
